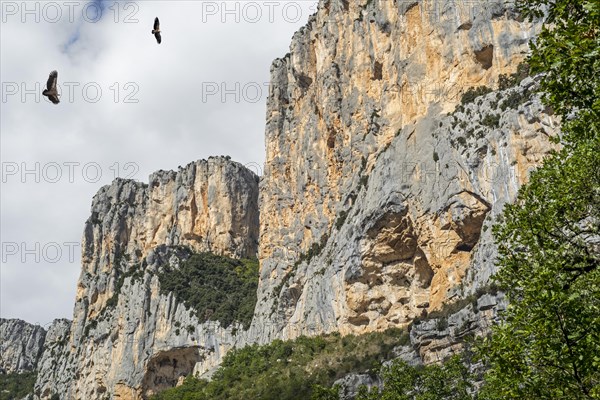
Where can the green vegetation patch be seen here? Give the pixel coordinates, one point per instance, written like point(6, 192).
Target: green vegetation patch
point(218, 288)
point(508, 81)
point(16, 386)
point(295, 369)
point(314, 251)
point(451, 380)
point(491, 121)
point(472, 93)
point(514, 100)
point(339, 222)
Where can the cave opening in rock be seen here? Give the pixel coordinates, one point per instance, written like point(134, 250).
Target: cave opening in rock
point(167, 368)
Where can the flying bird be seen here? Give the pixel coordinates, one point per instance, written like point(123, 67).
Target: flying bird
point(51, 91)
point(156, 30)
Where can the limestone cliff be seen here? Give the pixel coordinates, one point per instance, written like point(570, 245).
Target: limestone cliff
point(375, 202)
point(356, 74)
point(128, 340)
point(414, 234)
point(21, 345)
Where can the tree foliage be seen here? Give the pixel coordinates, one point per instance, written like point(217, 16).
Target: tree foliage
point(549, 241)
point(567, 51)
point(16, 385)
point(218, 288)
point(549, 344)
point(323, 393)
point(304, 368)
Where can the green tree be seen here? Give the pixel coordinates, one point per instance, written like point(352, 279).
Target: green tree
point(218, 288)
point(191, 389)
point(567, 51)
point(322, 393)
point(548, 346)
point(16, 385)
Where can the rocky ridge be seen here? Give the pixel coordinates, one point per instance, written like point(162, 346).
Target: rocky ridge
point(127, 339)
point(21, 345)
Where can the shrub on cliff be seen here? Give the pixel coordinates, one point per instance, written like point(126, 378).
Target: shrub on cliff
point(218, 288)
point(16, 386)
point(448, 381)
point(304, 368)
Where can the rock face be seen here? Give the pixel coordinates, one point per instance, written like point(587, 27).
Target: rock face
point(53, 364)
point(378, 193)
point(350, 384)
point(375, 203)
point(440, 337)
point(208, 206)
point(414, 234)
point(128, 340)
point(356, 74)
point(21, 345)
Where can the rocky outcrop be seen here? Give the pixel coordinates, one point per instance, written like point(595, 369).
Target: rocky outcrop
point(127, 339)
point(21, 345)
point(377, 196)
point(414, 233)
point(442, 336)
point(356, 74)
point(55, 364)
point(208, 206)
point(350, 384)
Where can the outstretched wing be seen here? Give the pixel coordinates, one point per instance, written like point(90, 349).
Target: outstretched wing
point(156, 24)
point(51, 84)
point(157, 36)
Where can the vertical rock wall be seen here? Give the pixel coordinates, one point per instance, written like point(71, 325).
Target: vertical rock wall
point(127, 339)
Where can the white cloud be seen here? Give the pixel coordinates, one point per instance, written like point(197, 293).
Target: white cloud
point(171, 124)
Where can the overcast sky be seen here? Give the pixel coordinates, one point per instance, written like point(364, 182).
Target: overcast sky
point(129, 106)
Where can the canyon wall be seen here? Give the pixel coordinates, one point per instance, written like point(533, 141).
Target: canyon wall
point(377, 193)
point(127, 339)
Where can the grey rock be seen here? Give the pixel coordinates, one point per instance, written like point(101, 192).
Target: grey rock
point(21, 345)
point(408, 355)
point(54, 363)
point(126, 336)
point(486, 302)
point(351, 383)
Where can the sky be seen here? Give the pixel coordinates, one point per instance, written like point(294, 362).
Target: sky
point(129, 107)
